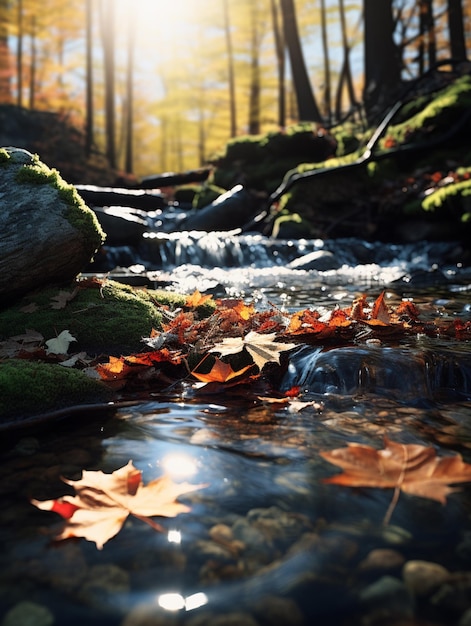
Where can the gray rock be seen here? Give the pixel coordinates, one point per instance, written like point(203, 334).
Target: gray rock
point(48, 233)
point(28, 614)
point(321, 260)
point(424, 577)
point(386, 598)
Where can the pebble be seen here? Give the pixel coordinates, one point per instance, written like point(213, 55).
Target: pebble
point(384, 559)
point(424, 577)
point(278, 611)
point(226, 619)
point(28, 614)
point(385, 599)
point(454, 595)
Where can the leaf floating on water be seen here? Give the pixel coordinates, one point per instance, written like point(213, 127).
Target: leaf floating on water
point(220, 372)
point(262, 348)
point(411, 468)
point(103, 502)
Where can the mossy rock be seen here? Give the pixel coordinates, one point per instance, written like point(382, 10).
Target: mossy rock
point(110, 319)
point(33, 388)
point(107, 320)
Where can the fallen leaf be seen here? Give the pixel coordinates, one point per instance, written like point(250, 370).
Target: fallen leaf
point(380, 311)
point(262, 348)
point(29, 308)
point(103, 502)
point(220, 372)
point(411, 468)
point(60, 344)
point(61, 300)
point(197, 299)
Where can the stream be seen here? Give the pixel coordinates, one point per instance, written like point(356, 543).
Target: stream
point(266, 542)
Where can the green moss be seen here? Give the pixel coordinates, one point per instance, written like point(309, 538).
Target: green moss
point(436, 116)
point(450, 194)
point(30, 387)
point(4, 156)
point(78, 214)
point(110, 320)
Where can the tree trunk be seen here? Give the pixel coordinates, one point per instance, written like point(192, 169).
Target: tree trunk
point(325, 49)
point(346, 72)
point(230, 70)
point(254, 94)
point(128, 159)
point(32, 76)
point(382, 61)
point(456, 29)
point(280, 64)
point(108, 28)
point(19, 55)
point(89, 131)
point(307, 105)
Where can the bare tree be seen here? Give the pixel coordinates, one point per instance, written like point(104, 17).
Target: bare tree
point(382, 61)
point(89, 112)
point(128, 155)
point(346, 71)
point(255, 78)
point(456, 29)
point(307, 105)
point(280, 62)
point(107, 19)
point(325, 49)
point(230, 69)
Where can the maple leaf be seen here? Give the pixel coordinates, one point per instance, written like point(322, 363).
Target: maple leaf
point(103, 502)
point(220, 372)
point(380, 311)
point(29, 308)
point(197, 299)
point(411, 468)
point(60, 344)
point(61, 300)
point(262, 348)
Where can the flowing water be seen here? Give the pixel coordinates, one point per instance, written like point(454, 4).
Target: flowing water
point(266, 541)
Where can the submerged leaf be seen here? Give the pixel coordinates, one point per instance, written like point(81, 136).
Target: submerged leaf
point(411, 468)
point(103, 502)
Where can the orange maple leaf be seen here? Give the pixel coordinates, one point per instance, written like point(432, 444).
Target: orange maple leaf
point(411, 468)
point(103, 502)
point(197, 299)
point(380, 311)
point(220, 372)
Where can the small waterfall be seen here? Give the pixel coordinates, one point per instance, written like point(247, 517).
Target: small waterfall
point(405, 374)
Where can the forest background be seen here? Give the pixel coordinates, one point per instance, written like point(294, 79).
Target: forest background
point(160, 85)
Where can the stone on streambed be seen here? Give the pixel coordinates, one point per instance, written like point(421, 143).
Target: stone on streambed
point(48, 233)
point(320, 260)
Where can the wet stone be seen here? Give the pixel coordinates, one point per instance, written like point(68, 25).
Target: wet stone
point(455, 595)
point(226, 619)
point(277, 611)
point(381, 559)
point(28, 614)
point(150, 615)
point(103, 581)
point(385, 599)
point(423, 577)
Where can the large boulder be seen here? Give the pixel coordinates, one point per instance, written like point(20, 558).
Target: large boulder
point(48, 233)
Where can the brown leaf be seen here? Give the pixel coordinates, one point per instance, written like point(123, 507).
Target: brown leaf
point(412, 468)
point(61, 300)
point(103, 502)
point(380, 311)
